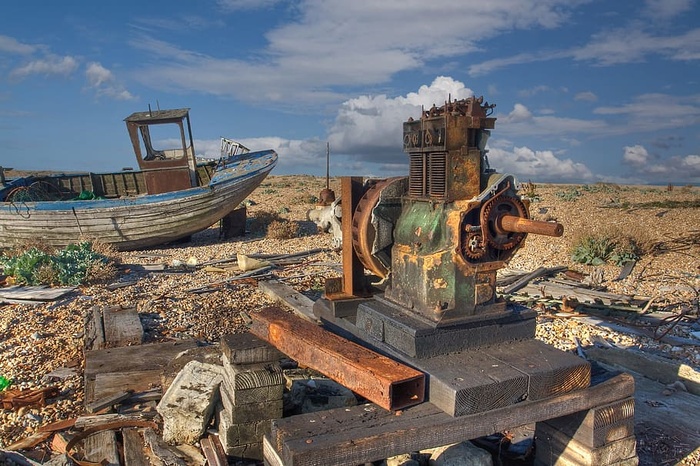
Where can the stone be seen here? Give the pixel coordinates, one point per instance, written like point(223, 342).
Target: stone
point(210, 354)
point(188, 404)
point(460, 454)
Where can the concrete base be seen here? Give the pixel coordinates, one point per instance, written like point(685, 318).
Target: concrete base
point(417, 337)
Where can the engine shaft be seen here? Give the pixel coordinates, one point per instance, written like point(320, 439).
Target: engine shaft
point(514, 224)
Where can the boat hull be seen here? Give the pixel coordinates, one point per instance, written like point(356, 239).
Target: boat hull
point(138, 222)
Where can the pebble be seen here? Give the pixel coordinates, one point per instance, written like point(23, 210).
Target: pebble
point(168, 310)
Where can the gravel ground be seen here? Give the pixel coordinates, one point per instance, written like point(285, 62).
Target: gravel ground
point(42, 345)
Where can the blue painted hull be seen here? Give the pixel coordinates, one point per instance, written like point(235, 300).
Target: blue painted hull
point(140, 221)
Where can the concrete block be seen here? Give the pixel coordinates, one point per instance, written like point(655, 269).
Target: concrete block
point(188, 404)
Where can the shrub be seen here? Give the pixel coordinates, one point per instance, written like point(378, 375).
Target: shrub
point(261, 221)
point(570, 194)
point(283, 229)
point(529, 191)
point(610, 246)
point(74, 265)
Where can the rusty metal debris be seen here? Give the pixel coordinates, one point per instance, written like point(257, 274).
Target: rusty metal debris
point(15, 399)
point(384, 381)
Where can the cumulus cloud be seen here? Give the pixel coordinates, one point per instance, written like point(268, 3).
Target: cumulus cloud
point(676, 168)
point(47, 66)
point(538, 165)
point(103, 82)
point(519, 114)
point(371, 126)
point(635, 155)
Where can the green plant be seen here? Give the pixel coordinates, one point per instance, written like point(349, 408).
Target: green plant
point(24, 265)
point(591, 250)
point(69, 266)
point(599, 248)
point(570, 194)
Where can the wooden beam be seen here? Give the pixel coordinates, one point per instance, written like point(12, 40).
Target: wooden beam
point(384, 381)
point(362, 434)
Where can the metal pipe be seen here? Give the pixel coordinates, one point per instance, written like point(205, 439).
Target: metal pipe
point(515, 224)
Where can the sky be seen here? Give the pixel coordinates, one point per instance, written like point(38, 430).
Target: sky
point(586, 91)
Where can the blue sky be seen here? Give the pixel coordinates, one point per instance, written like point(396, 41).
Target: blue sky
point(586, 90)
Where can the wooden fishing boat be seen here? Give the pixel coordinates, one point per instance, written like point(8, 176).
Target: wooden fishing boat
point(171, 196)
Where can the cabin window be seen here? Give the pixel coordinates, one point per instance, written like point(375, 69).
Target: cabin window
point(161, 142)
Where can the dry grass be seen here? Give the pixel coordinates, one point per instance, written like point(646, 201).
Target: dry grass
point(283, 229)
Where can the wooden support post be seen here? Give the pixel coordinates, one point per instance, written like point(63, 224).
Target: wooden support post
point(384, 381)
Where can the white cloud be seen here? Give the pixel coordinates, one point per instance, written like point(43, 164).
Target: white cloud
point(369, 124)
point(47, 66)
point(652, 112)
point(635, 155)
point(522, 122)
point(333, 43)
point(12, 45)
point(667, 9)
point(586, 96)
point(104, 83)
point(526, 163)
point(519, 114)
point(631, 44)
point(673, 169)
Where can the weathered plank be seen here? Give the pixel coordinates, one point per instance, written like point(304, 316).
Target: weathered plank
point(213, 451)
point(99, 421)
point(285, 294)
point(101, 447)
point(539, 272)
point(350, 436)
point(651, 366)
point(104, 385)
point(130, 358)
point(134, 448)
point(29, 442)
point(107, 401)
point(34, 293)
point(554, 447)
point(94, 338)
point(122, 326)
point(382, 380)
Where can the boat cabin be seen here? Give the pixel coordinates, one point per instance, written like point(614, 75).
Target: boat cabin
point(171, 165)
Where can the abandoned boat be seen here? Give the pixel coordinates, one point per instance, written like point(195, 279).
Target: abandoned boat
point(171, 196)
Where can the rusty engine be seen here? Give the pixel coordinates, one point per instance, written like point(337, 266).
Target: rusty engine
point(438, 236)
